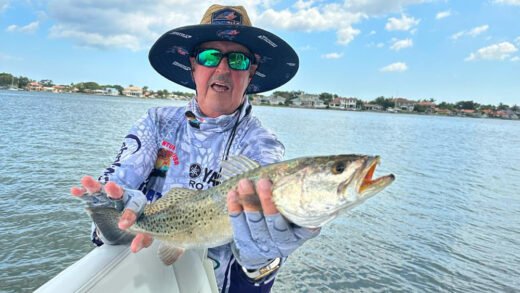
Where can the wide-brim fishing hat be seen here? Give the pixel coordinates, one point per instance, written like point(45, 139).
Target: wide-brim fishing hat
point(277, 61)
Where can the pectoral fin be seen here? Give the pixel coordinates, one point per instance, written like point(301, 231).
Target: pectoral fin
point(169, 253)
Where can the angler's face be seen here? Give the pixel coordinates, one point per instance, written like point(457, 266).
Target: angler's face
point(220, 89)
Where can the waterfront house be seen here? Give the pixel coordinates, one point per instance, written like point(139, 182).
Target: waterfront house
point(404, 104)
point(58, 89)
point(133, 91)
point(308, 101)
point(372, 107)
point(276, 100)
point(98, 92)
point(343, 103)
point(428, 106)
point(110, 91)
point(443, 111)
point(34, 86)
point(467, 112)
point(507, 114)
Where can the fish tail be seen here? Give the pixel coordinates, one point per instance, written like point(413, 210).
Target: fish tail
point(106, 220)
point(105, 214)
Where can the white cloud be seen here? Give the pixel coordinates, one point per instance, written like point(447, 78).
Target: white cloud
point(346, 35)
point(443, 14)
point(401, 44)
point(95, 39)
point(404, 23)
point(395, 67)
point(508, 2)
point(380, 7)
point(30, 28)
point(122, 24)
point(458, 35)
point(472, 32)
point(137, 25)
point(501, 51)
point(372, 33)
point(515, 59)
point(309, 18)
point(302, 4)
point(517, 41)
point(3, 5)
point(478, 30)
point(333, 55)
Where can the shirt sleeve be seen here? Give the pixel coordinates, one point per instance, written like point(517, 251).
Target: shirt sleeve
point(137, 155)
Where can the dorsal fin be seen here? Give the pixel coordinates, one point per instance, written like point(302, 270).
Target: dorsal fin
point(236, 165)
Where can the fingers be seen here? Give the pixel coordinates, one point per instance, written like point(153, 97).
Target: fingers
point(248, 199)
point(90, 184)
point(141, 241)
point(264, 190)
point(113, 190)
point(234, 207)
point(78, 191)
point(247, 196)
point(128, 218)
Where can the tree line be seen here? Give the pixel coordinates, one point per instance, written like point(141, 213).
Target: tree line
point(7, 80)
point(389, 102)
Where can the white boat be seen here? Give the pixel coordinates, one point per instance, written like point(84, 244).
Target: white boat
point(112, 268)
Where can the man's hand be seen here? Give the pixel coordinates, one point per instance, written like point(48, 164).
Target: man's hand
point(260, 232)
point(134, 205)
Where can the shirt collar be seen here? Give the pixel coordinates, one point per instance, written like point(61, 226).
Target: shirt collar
point(218, 124)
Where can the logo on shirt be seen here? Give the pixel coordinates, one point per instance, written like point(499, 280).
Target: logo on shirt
point(195, 170)
point(172, 148)
point(203, 177)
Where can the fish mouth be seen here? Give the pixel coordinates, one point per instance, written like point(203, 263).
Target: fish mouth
point(368, 183)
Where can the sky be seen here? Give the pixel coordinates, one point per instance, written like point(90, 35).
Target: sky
point(417, 49)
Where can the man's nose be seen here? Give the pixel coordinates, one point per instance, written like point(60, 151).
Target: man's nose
point(223, 65)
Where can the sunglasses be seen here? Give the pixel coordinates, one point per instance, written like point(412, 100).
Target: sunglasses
point(212, 58)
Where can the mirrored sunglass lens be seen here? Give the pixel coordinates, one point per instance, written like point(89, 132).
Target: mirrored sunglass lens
point(210, 58)
point(238, 61)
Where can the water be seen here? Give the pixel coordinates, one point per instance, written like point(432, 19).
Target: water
point(449, 223)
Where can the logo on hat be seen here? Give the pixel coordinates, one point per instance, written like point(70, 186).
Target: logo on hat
point(226, 16)
point(186, 36)
point(228, 34)
point(267, 40)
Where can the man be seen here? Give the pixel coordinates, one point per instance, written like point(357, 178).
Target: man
point(223, 59)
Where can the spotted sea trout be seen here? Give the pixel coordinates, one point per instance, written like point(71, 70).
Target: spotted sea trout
point(308, 192)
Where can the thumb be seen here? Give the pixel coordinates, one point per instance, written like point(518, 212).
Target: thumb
point(128, 218)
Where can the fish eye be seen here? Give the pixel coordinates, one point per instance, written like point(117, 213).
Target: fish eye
point(338, 168)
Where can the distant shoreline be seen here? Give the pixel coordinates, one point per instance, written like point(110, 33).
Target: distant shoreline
point(274, 106)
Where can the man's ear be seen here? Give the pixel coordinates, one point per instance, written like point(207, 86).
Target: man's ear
point(252, 71)
point(192, 62)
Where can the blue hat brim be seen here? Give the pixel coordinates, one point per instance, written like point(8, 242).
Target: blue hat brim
point(278, 62)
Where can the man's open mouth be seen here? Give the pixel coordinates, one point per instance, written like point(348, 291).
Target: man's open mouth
point(220, 87)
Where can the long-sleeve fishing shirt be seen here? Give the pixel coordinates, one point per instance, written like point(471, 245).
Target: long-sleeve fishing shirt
point(178, 147)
